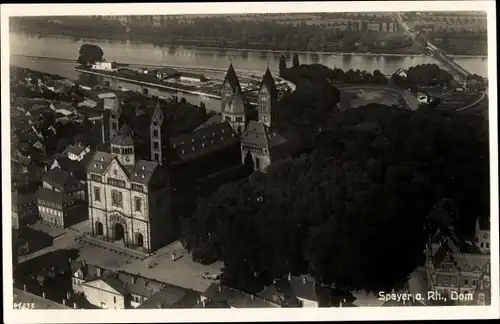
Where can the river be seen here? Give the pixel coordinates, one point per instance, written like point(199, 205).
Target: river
point(243, 61)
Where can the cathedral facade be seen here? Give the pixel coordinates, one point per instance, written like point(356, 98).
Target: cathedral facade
point(128, 197)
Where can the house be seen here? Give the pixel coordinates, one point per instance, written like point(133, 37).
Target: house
point(106, 293)
point(24, 209)
point(74, 160)
point(65, 109)
point(221, 296)
point(300, 291)
point(105, 66)
point(61, 199)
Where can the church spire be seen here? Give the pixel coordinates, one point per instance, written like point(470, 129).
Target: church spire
point(232, 79)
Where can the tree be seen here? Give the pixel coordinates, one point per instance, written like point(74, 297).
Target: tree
point(296, 62)
point(90, 54)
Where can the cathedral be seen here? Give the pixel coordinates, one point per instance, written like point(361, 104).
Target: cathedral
point(135, 178)
point(259, 143)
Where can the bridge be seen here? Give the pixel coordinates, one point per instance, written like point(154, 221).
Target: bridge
point(436, 52)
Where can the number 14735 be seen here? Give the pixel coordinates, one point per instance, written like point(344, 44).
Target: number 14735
point(24, 305)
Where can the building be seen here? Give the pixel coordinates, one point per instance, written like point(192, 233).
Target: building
point(61, 199)
point(26, 300)
point(105, 66)
point(220, 296)
point(459, 266)
point(261, 145)
point(122, 290)
point(192, 77)
point(24, 209)
point(128, 197)
point(300, 291)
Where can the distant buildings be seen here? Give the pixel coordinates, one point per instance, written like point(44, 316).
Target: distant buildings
point(289, 291)
point(121, 290)
point(105, 66)
point(457, 267)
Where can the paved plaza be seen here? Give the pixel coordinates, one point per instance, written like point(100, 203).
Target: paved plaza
point(183, 272)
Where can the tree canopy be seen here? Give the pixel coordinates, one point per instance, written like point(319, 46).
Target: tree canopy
point(353, 211)
point(90, 54)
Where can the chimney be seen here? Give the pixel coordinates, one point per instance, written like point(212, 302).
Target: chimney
point(24, 287)
point(64, 302)
point(74, 305)
point(44, 295)
point(98, 271)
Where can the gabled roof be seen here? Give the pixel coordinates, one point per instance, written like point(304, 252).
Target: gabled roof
point(143, 171)
point(53, 196)
point(26, 298)
point(203, 141)
point(259, 134)
point(110, 284)
point(220, 295)
point(61, 179)
point(232, 79)
point(138, 285)
point(123, 137)
point(74, 149)
point(100, 162)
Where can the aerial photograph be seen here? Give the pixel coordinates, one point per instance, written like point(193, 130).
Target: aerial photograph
point(335, 159)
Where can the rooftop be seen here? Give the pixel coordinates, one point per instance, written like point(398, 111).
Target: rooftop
point(259, 134)
point(61, 179)
point(203, 141)
point(24, 297)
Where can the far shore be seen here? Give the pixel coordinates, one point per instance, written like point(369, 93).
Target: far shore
point(122, 40)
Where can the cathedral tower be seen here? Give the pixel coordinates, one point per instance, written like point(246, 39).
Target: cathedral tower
point(233, 104)
point(122, 146)
point(115, 115)
point(159, 136)
point(267, 99)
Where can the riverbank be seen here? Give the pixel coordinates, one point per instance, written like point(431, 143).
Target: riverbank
point(153, 83)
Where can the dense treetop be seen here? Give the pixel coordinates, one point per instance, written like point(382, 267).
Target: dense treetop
point(356, 200)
